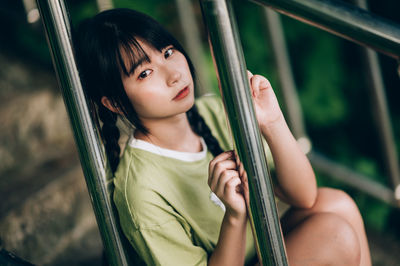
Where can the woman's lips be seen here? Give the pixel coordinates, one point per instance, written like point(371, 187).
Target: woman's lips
point(182, 94)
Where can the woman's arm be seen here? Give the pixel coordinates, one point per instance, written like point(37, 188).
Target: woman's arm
point(296, 179)
point(225, 182)
point(295, 176)
point(231, 246)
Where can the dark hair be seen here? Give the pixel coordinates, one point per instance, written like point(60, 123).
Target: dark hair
point(100, 43)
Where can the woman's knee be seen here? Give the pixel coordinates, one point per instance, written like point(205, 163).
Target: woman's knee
point(346, 240)
point(336, 201)
point(328, 200)
point(335, 241)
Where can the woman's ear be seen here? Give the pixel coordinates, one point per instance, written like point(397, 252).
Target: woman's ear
point(107, 103)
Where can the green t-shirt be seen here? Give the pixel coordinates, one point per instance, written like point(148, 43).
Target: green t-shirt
point(166, 208)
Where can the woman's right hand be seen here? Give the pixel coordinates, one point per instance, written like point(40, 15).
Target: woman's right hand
point(225, 182)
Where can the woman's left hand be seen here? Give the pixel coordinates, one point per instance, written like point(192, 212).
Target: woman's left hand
point(265, 102)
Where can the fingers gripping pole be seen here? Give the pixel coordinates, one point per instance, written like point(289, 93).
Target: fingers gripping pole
point(228, 57)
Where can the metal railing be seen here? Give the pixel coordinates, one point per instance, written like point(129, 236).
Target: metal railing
point(235, 91)
point(356, 24)
point(344, 20)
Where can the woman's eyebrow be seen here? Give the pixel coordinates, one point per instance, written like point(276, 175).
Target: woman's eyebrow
point(138, 63)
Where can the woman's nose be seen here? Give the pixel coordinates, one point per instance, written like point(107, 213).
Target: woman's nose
point(173, 76)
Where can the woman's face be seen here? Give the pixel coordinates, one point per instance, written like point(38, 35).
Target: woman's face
point(161, 88)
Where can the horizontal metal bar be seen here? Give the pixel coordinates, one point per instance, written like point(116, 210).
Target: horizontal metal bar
point(345, 20)
point(234, 85)
point(348, 176)
point(56, 23)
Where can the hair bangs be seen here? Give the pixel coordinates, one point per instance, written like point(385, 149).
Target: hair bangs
point(160, 39)
point(130, 55)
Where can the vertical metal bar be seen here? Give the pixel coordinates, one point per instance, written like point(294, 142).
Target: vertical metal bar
point(193, 45)
point(345, 20)
point(288, 86)
point(229, 60)
point(56, 22)
point(381, 113)
point(104, 4)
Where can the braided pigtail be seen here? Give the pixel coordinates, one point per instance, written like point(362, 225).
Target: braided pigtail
point(110, 133)
point(200, 127)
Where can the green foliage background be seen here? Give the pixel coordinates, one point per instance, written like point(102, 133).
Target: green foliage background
point(328, 70)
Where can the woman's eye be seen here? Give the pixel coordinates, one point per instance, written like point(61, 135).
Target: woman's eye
point(168, 52)
point(144, 74)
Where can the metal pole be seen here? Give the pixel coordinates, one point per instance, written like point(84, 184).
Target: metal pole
point(57, 24)
point(381, 113)
point(193, 44)
point(229, 60)
point(345, 20)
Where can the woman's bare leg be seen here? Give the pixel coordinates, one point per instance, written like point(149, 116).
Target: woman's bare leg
point(333, 202)
point(323, 239)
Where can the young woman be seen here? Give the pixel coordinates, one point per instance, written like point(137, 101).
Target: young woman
point(178, 188)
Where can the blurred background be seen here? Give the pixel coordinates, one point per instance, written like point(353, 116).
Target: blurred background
point(45, 212)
